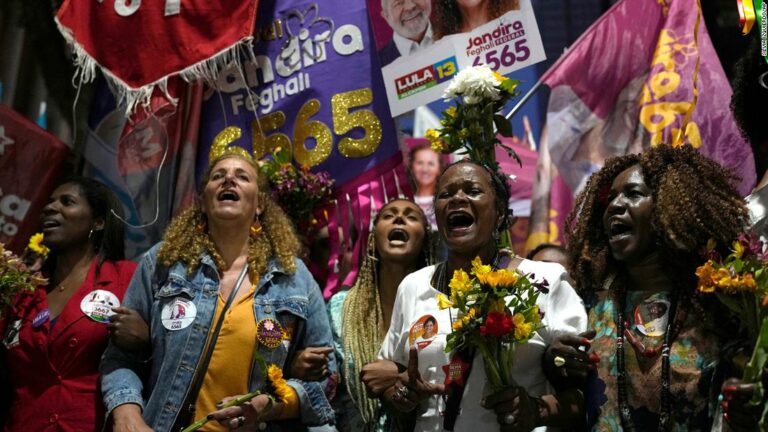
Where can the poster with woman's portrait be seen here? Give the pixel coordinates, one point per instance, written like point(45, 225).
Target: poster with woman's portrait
point(422, 44)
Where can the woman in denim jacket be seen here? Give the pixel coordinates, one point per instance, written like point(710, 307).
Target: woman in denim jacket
point(181, 287)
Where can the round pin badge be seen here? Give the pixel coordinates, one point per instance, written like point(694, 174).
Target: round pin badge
point(423, 332)
point(98, 304)
point(652, 316)
point(270, 333)
point(178, 314)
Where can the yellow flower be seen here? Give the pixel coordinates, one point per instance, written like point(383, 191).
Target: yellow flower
point(282, 389)
point(460, 284)
point(464, 133)
point(432, 135)
point(451, 111)
point(499, 278)
point(499, 77)
point(749, 281)
point(738, 249)
point(478, 268)
point(522, 329)
point(457, 325)
point(443, 302)
point(437, 146)
point(36, 245)
point(534, 315)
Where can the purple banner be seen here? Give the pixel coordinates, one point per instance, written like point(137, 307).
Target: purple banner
point(311, 85)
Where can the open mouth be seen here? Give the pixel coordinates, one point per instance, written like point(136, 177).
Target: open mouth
point(397, 237)
point(49, 224)
point(460, 221)
point(618, 229)
point(228, 195)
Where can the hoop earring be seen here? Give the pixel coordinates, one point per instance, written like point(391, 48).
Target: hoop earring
point(256, 229)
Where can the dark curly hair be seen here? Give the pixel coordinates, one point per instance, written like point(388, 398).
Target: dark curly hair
point(501, 189)
point(748, 102)
point(694, 200)
point(446, 16)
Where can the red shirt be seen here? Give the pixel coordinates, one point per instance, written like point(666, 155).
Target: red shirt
point(54, 373)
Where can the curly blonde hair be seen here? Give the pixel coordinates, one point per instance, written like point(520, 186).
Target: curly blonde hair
point(363, 318)
point(187, 239)
point(694, 200)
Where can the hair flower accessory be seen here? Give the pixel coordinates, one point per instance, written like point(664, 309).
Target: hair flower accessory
point(497, 312)
point(740, 282)
point(470, 125)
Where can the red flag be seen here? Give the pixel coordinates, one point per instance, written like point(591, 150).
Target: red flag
point(25, 148)
point(139, 45)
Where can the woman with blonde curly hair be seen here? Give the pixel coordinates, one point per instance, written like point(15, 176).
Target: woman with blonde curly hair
point(224, 283)
point(461, 16)
point(635, 240)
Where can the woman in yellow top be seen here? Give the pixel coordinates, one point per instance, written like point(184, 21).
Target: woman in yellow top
point(225, 283)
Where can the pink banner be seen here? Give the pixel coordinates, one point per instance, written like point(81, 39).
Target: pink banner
point(628, 83)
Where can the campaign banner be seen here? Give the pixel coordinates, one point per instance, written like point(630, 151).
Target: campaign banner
point(311, 86)
point(148, 164)
point(30, 162)
point(422, 44)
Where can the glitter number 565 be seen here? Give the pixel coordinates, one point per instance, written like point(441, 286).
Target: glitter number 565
point(343, 119)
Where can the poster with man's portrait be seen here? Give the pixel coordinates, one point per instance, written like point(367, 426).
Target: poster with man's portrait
point(422, 44)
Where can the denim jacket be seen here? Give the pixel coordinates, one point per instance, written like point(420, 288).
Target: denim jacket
point(287, 298)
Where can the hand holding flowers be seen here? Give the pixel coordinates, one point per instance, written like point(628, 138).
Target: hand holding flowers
point(236, 412)
point(497, 311)
point(740, 282)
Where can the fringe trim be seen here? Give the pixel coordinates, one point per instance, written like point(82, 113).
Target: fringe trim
point(130, 98)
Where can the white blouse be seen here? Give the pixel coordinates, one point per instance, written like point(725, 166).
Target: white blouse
point(416, 300)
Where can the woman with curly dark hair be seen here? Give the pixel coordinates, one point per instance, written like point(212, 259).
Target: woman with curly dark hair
point(635, 239)
point(461, 16)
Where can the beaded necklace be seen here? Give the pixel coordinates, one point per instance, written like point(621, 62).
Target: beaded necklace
point(672, 330)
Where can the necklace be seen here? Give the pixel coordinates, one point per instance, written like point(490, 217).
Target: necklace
point(673, 328)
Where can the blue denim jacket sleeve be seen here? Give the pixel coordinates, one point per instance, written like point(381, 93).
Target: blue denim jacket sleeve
point(314, 396)
point(121, 382)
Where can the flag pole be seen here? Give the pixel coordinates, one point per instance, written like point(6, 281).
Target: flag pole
point(524, 99)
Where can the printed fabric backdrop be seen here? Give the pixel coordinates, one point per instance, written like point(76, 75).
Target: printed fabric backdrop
point(312, 85)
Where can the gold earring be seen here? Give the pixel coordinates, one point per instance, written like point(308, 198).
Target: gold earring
point(256, 229)
point(202, 225)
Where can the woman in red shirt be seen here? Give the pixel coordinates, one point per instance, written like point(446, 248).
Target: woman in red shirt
point(52, 339)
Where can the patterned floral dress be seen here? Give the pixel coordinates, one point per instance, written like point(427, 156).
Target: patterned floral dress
point(693, 358)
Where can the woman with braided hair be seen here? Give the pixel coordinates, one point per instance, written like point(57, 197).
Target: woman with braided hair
point(636, 237)
point(398, 245)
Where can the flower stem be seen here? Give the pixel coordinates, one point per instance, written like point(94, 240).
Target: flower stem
point(234, 402)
